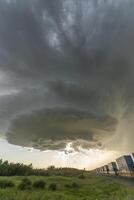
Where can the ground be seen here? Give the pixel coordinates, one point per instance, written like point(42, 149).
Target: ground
point(90, 187)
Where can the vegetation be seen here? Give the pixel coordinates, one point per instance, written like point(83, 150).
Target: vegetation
point(52, 186)
point(6, 184)
point(25, 184)
point(67, 188)
point(13, 169)
point(81, 176)
point(39, 184)
point(73, 185)
point(22, 182)
point(18, 169)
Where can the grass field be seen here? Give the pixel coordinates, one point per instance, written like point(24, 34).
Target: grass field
point(69, 188)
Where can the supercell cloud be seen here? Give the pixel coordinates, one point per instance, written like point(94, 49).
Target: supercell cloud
point(67, 73)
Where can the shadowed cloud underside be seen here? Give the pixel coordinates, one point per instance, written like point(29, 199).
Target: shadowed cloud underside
point(67, 73)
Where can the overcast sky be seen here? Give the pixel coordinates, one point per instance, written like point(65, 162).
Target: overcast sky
point(66, 78)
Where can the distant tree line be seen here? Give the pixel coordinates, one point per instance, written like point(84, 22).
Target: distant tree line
point(14, 169)
point(19, 169)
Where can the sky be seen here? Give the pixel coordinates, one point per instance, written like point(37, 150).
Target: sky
point(66, 81)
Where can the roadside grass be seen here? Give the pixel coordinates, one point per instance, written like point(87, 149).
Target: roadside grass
point(68, 188)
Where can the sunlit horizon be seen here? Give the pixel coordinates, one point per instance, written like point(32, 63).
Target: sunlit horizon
point(88, 159)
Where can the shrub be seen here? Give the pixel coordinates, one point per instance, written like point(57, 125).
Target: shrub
point(40, 184)
point(81, 176)
point(67, 185)
point(52, 186)
point(6, 184)
point(25, 184)
point(73, 185)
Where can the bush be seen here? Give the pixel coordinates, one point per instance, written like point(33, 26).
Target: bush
point(81, 176)
point(52, 186)
point(67, 185)
point(6, 184)
point(73, 185)
point(40, 184)
point(25, 184)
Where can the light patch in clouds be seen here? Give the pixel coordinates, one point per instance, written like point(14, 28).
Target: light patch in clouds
point(5, 88)
point(88, 159)
point(7, 92)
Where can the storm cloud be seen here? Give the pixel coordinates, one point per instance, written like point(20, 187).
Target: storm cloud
point(57, 127)
point(67, 73)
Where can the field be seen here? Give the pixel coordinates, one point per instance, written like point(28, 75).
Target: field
point(68, 188)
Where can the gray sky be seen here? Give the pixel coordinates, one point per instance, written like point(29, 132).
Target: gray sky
point(67, 76)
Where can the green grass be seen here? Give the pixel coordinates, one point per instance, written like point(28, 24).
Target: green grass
point(89, 188)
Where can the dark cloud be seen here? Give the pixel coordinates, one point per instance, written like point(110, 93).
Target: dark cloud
point(52, 129)
point(67, 64)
